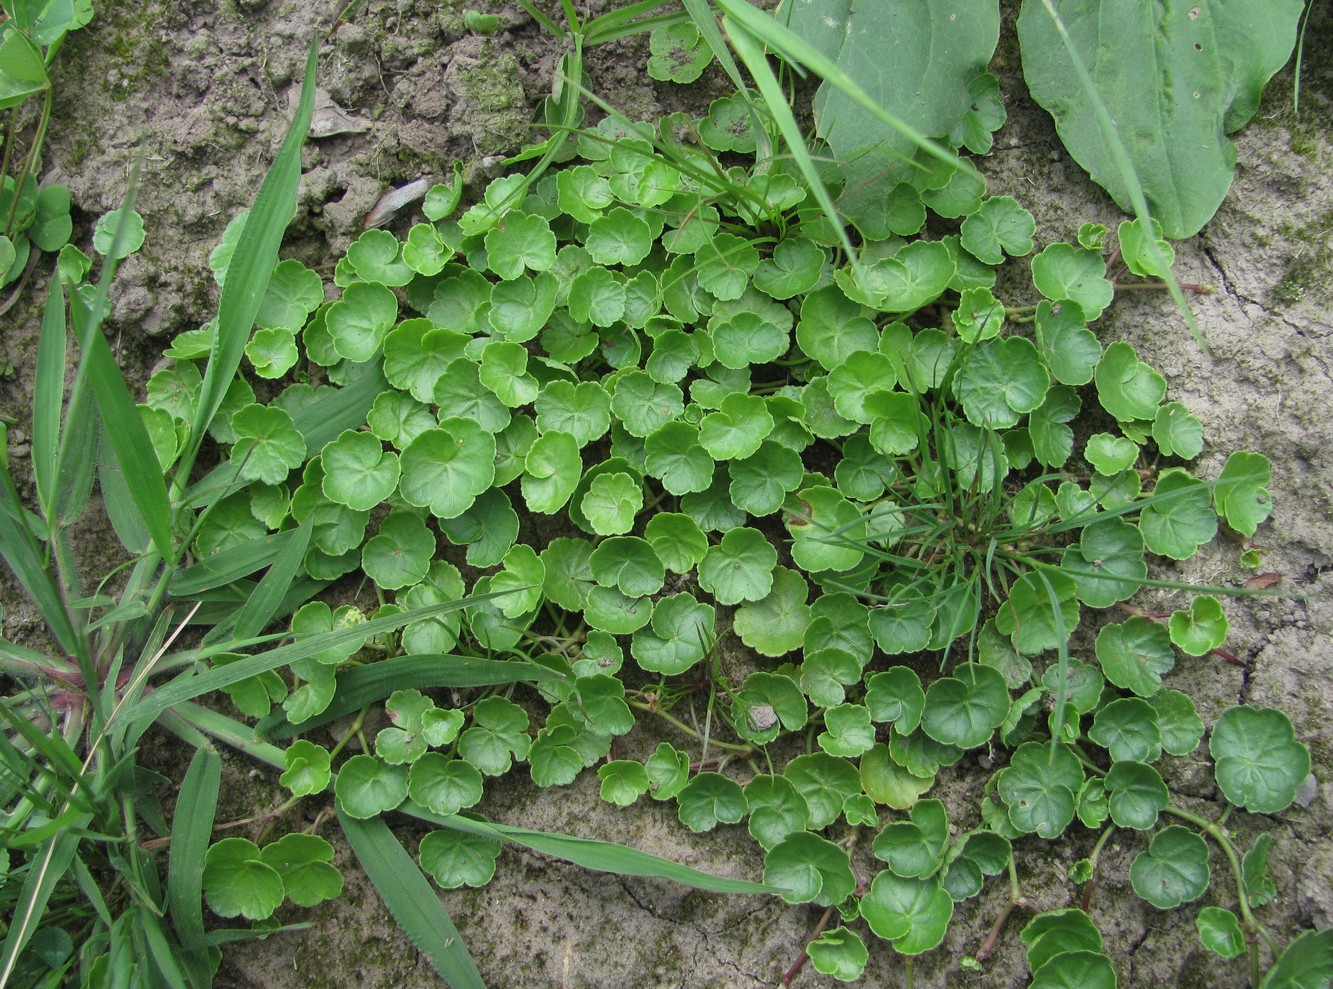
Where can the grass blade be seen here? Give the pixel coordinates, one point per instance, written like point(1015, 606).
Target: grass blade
point(753, 57)
point(46, 869)
point(125, 429)
point(251, 268)
point(191, 685)
point(191, 829)
point(362, 685)
point(49, 397)
point(229, 565)
point(411, 900)
point(267, 598)
point(19, 548)
point(600, 856)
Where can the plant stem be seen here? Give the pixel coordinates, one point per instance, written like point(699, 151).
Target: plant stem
point(29, 161)
point(1015, 900)
point(909, 971)
point(1092, 860)
point(790, 975)
point(682, 726)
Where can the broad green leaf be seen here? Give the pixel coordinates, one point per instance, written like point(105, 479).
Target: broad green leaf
point(776, 624)
point(1029, 616)
point(358, 472)
point(268, 447)
point(376, 256)
point(1107, 565)
point(839, 952)
point(583, 410)
point(1137, 794)
point(519, 241)
point(399, 554)
point(1071, 350)
point(1177, 84)
point(913, 61)
point(1177, 432)
point(1063, 272)
point(673, 455)
point(825, 782)
point(1173, 870)
point(1135, 654)
point(1220, 932)
point(623, 781)
point(1076, 970)
point(965, 708)
point(1259, 763)
point(710, 799)
point(498, 735)
point(1128, 388)
point(359, 322)
point(1057, 932)
point(551, 472)
point(810, 869)
point(848, 731)
point(1038, 787)
point(611, 503)
point(1305, 963)
point(520, 582)
point(770, 702)
point(739, 568)
point(1001, 380)
point(627, 563)
point(238, 882)
point(445, 469)
point(504, 370)
point(304, 861)
point(681, 635)
point(999, 227)
point(1178, 721)
point(1241, 491)
point(367, 786)
point(668, 771)
point(736, 430)
point(888, 783)
point(1127, 729)
point(454, 858)
point(1201, 629)
point(776, 809)
point(1180, 518)
point(912, 913)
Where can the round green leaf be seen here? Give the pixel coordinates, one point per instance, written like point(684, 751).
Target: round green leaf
point(618, 237)
point(627, 563)
point(1127, 729)
point(1173, 870)
point(551, 472)
point(582, 410)
point(682, 634)
point(269, 446)
point(912, 913)
point(1038, 787)
point(1202, 628)
point(1107, 565)
point(358, 472)
point(238, 882)
point(1128, 388)
point(965, 709)
point(776, 624)
point(1220, 932)
point(304, 861)
point(673, 454)
point(400, 553)
point(1137, 795)
point(1178, 720)
point(710, 799)
point(611, 503)
point(1000, 380)
point(809, 869)
point(1076, 970)
point(1241, 491)
point(739, 568)
point(999, 227)
point(455, 858)
point(776, 809)
point(1259, 763)
point(623, 781)
point(736, 430)
point(1135, 654)
point(519, 241)
point(1063, 271)
point(1177, 432)
point(307, 768)
point(1179, 518)
point(677, 540)
point(359, 322)
point(839, 952)
point(367, 786)
point(445, 469)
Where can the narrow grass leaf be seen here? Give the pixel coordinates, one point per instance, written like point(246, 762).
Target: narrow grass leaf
point(266, 600)
point(364, 685)
point(20, 550)
point(251, 268)
point(230, 565)
point(191, 685)
point(600, 856)
point(191, 829)
point(411, 900)
point(49, 397)
point(45, 870)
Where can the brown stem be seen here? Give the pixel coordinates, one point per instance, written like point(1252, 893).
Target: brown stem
point(1197, 288)
point(790, 975)
point(993, 938)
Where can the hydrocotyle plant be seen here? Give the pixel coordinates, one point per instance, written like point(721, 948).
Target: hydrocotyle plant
point(701, 468)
